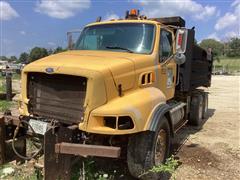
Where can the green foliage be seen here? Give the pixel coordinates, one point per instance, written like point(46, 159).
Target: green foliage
point(168, 167)
point(37, 53)
point(23, 58)
point(5, 105)
point(88, 171)
point(13, 58)
point(3, 58)
point(10, 59)
point(58, 50)
point(18, 174)
point(217, 47)
point(3, 86)
point(50, 51)
point(229, 64)
point(16, 76)
point(233, 49)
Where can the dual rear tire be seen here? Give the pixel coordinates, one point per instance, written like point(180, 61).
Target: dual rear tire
point(198, 108)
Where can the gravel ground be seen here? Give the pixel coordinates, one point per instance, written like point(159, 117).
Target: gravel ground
point(213, 152)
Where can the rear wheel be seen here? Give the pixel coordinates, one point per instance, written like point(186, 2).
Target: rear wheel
point(196, 110)
point(148, 149)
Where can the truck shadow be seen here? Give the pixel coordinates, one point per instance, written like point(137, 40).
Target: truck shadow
point(183, 134)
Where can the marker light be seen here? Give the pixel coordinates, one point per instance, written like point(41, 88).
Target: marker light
point(133, 12)
point(180, 39)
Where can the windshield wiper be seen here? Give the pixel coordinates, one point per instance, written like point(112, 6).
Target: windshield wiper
point(117, 47)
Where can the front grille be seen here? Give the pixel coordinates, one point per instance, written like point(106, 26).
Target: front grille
point(57, 96)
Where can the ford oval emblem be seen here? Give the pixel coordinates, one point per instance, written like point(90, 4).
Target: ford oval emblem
point(49, 70)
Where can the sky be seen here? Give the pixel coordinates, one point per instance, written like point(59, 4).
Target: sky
point(44, 23)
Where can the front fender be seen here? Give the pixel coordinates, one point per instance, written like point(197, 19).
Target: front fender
point(137, 104)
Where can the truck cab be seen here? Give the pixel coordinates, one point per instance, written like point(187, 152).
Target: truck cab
point(122, 91)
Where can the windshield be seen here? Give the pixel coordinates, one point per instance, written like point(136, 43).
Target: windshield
point(127, 37)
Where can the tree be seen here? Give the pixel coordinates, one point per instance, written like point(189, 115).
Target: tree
point(23, 58)
point(3, 58)
point(217, 47)
point(50, 51)
point(233, 49)
point(12, 59)
point(37, 53)
point(58, 50)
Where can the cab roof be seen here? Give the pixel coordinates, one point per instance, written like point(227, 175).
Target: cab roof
point(147, 21)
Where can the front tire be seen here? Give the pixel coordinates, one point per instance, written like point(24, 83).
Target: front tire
point(148, 149)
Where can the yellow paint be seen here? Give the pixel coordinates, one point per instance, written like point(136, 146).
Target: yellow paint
point(104, 71)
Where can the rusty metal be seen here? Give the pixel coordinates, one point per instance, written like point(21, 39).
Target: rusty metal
point(6, 133)
point(11, 120)
point(87, 150)
point(56, 166)
point(57, 96)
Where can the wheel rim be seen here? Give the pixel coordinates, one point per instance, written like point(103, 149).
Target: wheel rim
point(160, 147)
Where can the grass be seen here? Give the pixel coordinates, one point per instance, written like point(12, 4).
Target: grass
point(88, 170)
point(5, 105)
point(168, 167)
point(229, 64)
point(19, 173)
point(15, 76)
point(2, 87)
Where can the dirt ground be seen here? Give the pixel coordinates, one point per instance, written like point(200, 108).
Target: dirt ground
point(213, 150)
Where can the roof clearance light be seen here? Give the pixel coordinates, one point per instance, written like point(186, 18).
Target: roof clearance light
point(133, 12)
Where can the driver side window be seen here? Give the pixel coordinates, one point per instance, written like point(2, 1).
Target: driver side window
point(165, 46)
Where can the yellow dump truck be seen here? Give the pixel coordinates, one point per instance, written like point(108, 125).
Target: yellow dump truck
point(122, 90)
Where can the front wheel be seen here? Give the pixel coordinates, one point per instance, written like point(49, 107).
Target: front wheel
point(148, 149)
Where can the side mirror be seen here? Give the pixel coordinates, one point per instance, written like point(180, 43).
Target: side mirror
point(181, 40)
point(180, 58)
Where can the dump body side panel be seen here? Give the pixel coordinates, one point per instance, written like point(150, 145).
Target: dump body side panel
point(196, 71)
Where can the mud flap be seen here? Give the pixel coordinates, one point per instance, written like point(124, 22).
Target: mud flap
point(6, 151)
point(57, 166)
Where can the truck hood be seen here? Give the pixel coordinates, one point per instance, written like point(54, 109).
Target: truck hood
point(86, 63)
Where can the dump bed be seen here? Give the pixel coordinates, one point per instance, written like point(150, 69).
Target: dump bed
point(197, 69)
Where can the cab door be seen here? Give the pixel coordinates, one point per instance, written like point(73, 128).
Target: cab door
point(167, 65)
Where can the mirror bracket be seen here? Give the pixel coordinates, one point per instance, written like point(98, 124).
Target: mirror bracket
point(179, 58)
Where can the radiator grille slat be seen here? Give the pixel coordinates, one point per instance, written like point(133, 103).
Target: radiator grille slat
point(57, 96)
